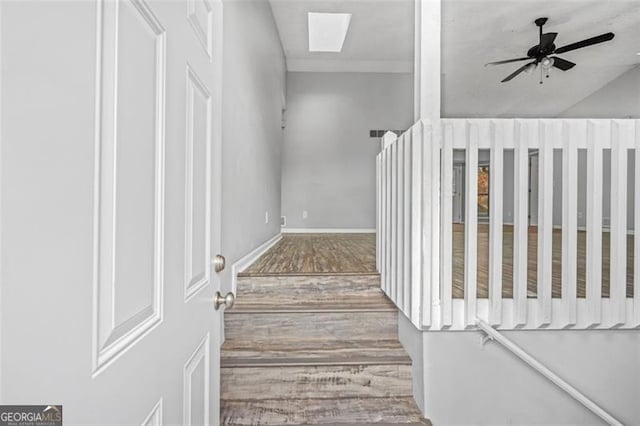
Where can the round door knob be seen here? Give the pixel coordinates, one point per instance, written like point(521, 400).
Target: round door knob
point(220, 300)
point(219, 262)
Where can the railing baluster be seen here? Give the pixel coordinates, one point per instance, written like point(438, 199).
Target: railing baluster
point(471, 225)
point(383, 220)
point(446, 247)
point(416, 221)
point(398, 290)
point(571, 135)
point(545, 221)
point(636, 230)
point(435, 217)
point(388, 207)
point(427, 218)
point(595, 137)
point(378, 212)
point(406, 282)
point(495, 226)
point(621, 136)
point(394, 220)
point(521, 223)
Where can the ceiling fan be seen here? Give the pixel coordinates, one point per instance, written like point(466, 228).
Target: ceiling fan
point(540, 54)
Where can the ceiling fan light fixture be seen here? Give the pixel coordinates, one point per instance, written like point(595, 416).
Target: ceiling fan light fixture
point(547, 63)
point(530, 68)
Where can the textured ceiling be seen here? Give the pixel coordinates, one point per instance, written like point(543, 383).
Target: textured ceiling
point(380, 37)
point(475, 32)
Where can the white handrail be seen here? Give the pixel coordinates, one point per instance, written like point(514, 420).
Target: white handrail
point(494, 334)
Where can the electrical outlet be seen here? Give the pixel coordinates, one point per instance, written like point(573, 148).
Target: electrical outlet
point(305, 214)
point(580, 215)
point(283, 221)
point(266, 217)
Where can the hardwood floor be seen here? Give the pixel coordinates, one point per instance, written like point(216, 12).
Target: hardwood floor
point(507, 262)
point(313, 340)
point(354, 254)
point(309, 254)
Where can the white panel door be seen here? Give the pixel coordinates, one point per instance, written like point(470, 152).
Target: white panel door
point(110, 191)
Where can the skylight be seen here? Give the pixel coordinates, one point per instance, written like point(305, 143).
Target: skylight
point(327, 31)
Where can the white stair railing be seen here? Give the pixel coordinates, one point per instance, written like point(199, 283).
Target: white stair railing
point(415, 192)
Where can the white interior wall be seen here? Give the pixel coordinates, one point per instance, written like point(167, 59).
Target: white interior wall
point(618, 99)
point(328, 159)
point(468, 383)
point(253, 97)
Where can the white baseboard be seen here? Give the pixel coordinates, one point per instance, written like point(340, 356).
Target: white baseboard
point(246, 261)
point(328, 230)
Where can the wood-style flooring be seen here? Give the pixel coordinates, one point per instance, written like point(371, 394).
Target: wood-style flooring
point(532, 255)
point(310, 254)
point(313, 340)
point(345, 254)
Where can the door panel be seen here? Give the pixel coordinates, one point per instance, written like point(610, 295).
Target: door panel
point(198, 179)
point(196, 386)
point(107, 302)
point(130, 173)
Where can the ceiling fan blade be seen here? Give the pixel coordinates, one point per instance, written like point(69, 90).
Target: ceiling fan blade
point(508, 61)
point(562, 64)
point(584, 43)
point(518, 71)
point(546, 40)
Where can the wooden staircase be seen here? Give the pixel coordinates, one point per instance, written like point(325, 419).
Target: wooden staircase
point(314, 349)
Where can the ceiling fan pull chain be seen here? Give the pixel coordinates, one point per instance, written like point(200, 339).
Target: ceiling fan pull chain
point(541, 74)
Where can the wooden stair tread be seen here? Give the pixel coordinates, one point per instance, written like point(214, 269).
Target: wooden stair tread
point(315, 381)
point(311, 325)
point(377, 303)
point(306, 274)
point(312, 352)
point(309, 286)
point(386, 410)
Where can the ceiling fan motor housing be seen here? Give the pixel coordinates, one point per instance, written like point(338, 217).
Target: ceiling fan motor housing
point(540, 52)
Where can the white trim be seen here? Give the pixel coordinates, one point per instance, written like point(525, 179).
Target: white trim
point(155, 416)
point(201, 354)
point(336, 65)
point(204, 35)
point(328, 230)
point(1, 281)
point(558, 316)
point(246, 261)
